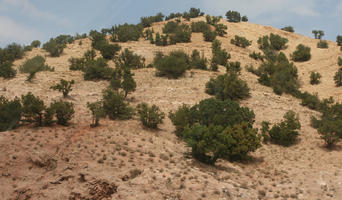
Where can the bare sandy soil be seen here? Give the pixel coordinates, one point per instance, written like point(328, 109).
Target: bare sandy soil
point(123, 160)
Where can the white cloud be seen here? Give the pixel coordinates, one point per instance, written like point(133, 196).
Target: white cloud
point(29, 9)
point(11, 31)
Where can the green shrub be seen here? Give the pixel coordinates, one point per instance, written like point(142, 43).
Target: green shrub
point(220, 29)
point(150, 116)
point(339, 61)
point(10, 113)
point(182, 34)
point(330, 124)
point(97, 69)
point(97, 39)
point(171, 66)
point(220, 56)
point(170, 27)
point(199, 27)
point(233, 16)
point(339, 40)
point(244, 18)
point(209, 35)
point(211, 112)
point(54, 47)
point(211, 143)
point(274, 42)
point(322, 44)
point(173, 15)
point(32, 109)
point(301, 54)
point(212, 20)
point(128, 59)
point(128, 84)
point(315, 78)
point(198, 61)
point(34, 65)
point(64, 112)
point(97, 112)
point(288, 29)
point(338, 78)
point(63, 86)
point(318, 34)
point(11, 52)
point(6, 70)
point(281, 75)
point(240, 41)
point(285, 133)
point(311, 101)
point(256, 56)
point(147, 21)
point(115, 106)
point(228, 86)
point(80, 63)
point(126, 32)
point(108, 51)
point(35, 43)
point(233, 67)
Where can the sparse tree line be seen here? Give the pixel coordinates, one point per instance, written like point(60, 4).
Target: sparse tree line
point(278, 72)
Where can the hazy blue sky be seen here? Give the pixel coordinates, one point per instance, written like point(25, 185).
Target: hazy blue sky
point(22, 21)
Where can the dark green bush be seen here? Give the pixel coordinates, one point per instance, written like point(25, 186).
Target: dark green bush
point(315, 78)
point(322, 44)
point(97, 39)
point(211, 143)
point(32, 109)
point(97, 69)
point(244, 18)
point(233, 16)
point(181, 35)
point(211, 112)
point(288, 29)
point(212, 20)
point(173, 15)
point(240, 41)
point(80, 63)
point(34, 65)
point(64, 112)
point(285, 133)
point(193, 13)
point(128, 59)
point(55, 46)
point(330, 124)
point(228, 86)
point(339, 40)
point(198, 61)
point(233, 67)
point(338, 78)
point(209, 35)
point(147, 21)
point(10, 113)
point(274, 42)
point(11, 52)
point(318, 34)
point(97, 112)
point(115, 106)
point(35, 43)
point(301, 54)
point(220, 29)
point(220, 56)
point(281, 75)
point(126, 32)
point(199, 27)
point(6, 70)
point(170, 27)
point(128, 84)
point(63, 86)
point(339, 61)
point(108, 51)
point(150, 116)
point(256, 56)
point(171, 66)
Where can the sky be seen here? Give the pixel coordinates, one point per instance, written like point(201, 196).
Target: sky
point(23, 21)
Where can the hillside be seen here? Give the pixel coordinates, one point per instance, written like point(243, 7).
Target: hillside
point(83, 162)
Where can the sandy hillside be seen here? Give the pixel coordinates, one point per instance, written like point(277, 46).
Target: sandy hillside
point(123, 160)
